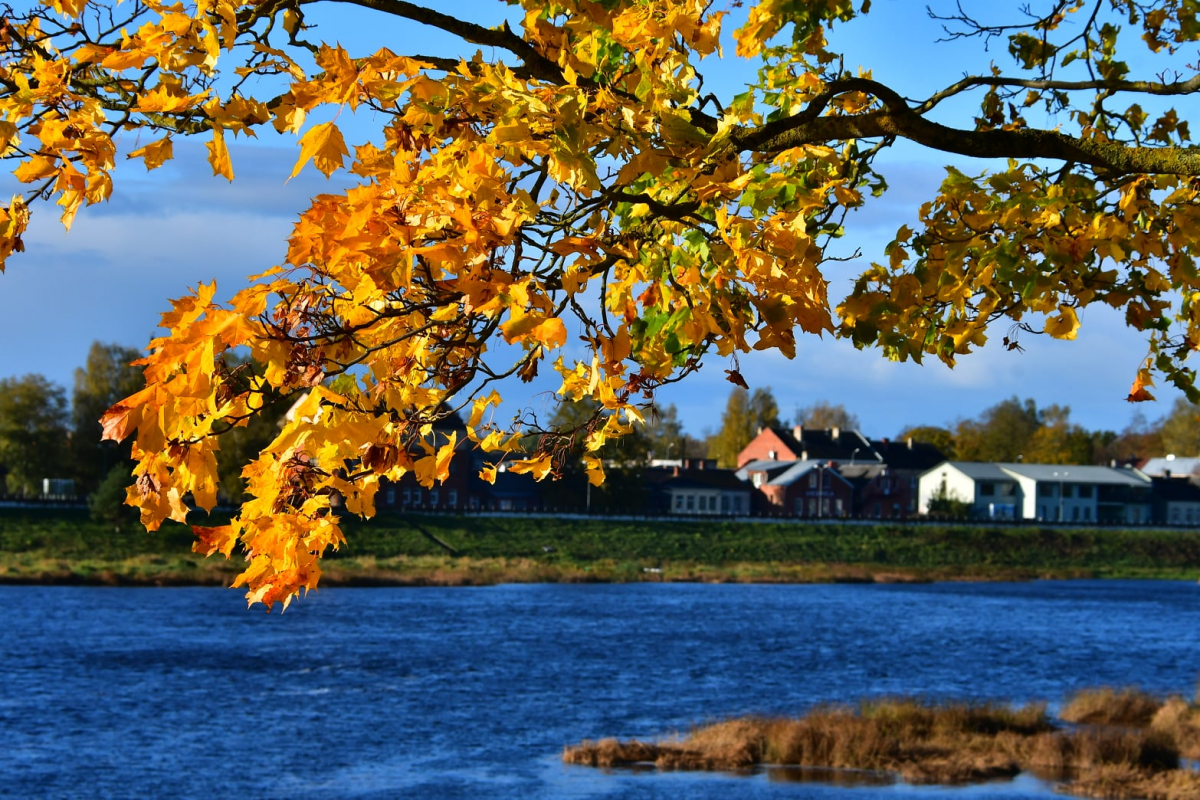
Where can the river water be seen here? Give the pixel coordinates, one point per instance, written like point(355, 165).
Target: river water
point(473, 692)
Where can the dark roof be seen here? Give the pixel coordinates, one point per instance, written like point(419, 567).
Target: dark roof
point(823, 444)
point(908, 454)
point(723, 479)
point(1176, 490)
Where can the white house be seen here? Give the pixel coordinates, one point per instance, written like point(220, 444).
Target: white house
point(991, 492)
point(1049, 492)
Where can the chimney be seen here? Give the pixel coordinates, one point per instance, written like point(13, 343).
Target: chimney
point(675, 471)
point(760, 430)
point(798, 432)
point(835, 432)
point(804, 455)
point(910, 443)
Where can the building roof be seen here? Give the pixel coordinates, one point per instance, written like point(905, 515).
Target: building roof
point(1174, 490)
point(908, 454)
point(862, 472)
point(723, 479)
point(1076, 473)
point(770, 467)
point(1171, 467)
point(978, 470)
point(826, 443)
point(799, 469)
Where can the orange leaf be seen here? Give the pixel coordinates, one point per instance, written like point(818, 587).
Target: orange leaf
point(218, 155)
point(323, 144)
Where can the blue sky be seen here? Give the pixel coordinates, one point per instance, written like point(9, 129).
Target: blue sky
point(111, 276)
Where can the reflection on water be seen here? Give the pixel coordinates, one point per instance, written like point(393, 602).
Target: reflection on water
point(849, 778)
point(475, 692)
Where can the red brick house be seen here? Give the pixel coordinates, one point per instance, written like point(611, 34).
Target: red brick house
point(809, 489)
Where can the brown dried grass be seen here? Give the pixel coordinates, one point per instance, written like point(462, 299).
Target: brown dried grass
point(1107, 706)
point(944, 744)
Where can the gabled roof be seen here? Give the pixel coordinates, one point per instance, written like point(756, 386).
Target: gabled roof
point(1171, 467)
point(799, 469)
point(1077, 473)
point(770, 467)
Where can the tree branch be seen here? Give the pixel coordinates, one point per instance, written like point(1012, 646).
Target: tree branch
point(538, 65)
point(1189, 86)
point(898, 119)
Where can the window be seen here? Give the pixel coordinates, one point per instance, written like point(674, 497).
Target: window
point(452, 498)
point(1045, 490)
point(1175, 515)
point(691, 502)
point(737, 503)
point(812, 480)
point(407, 497)
point(1085, 490)
point(391, 496)
point(724, 504)
point(987, 489)
point(1006, 489)
point(1075, 514)
point(837, 506)
point(812, 506)
point(757, 479)
point(433, 497)
point(679, 502)
point(1087, 513)
point(771, 454)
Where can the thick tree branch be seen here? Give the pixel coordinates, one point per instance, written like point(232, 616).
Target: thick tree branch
point(538, 65)
point(898, 119)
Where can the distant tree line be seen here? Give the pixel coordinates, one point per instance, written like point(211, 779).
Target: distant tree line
point(1017, 430)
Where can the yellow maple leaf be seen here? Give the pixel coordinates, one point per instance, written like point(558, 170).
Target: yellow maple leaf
point(324, 146)
point(1064, 324)
point(218, 155)
point(155, 153)
point(539, 468)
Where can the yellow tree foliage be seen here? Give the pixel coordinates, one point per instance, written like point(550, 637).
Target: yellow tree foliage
point(569, 176)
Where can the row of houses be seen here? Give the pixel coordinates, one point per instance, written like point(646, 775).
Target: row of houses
point(840, 474)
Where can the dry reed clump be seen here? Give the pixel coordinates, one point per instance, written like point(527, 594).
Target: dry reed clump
point(925, 743)
point(1107, 706)
point(1120, 781)
point(1075, 751)
point(947, 744)
point(1181, 720)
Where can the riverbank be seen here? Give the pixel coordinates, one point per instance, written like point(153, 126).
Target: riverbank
point(66, 547)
